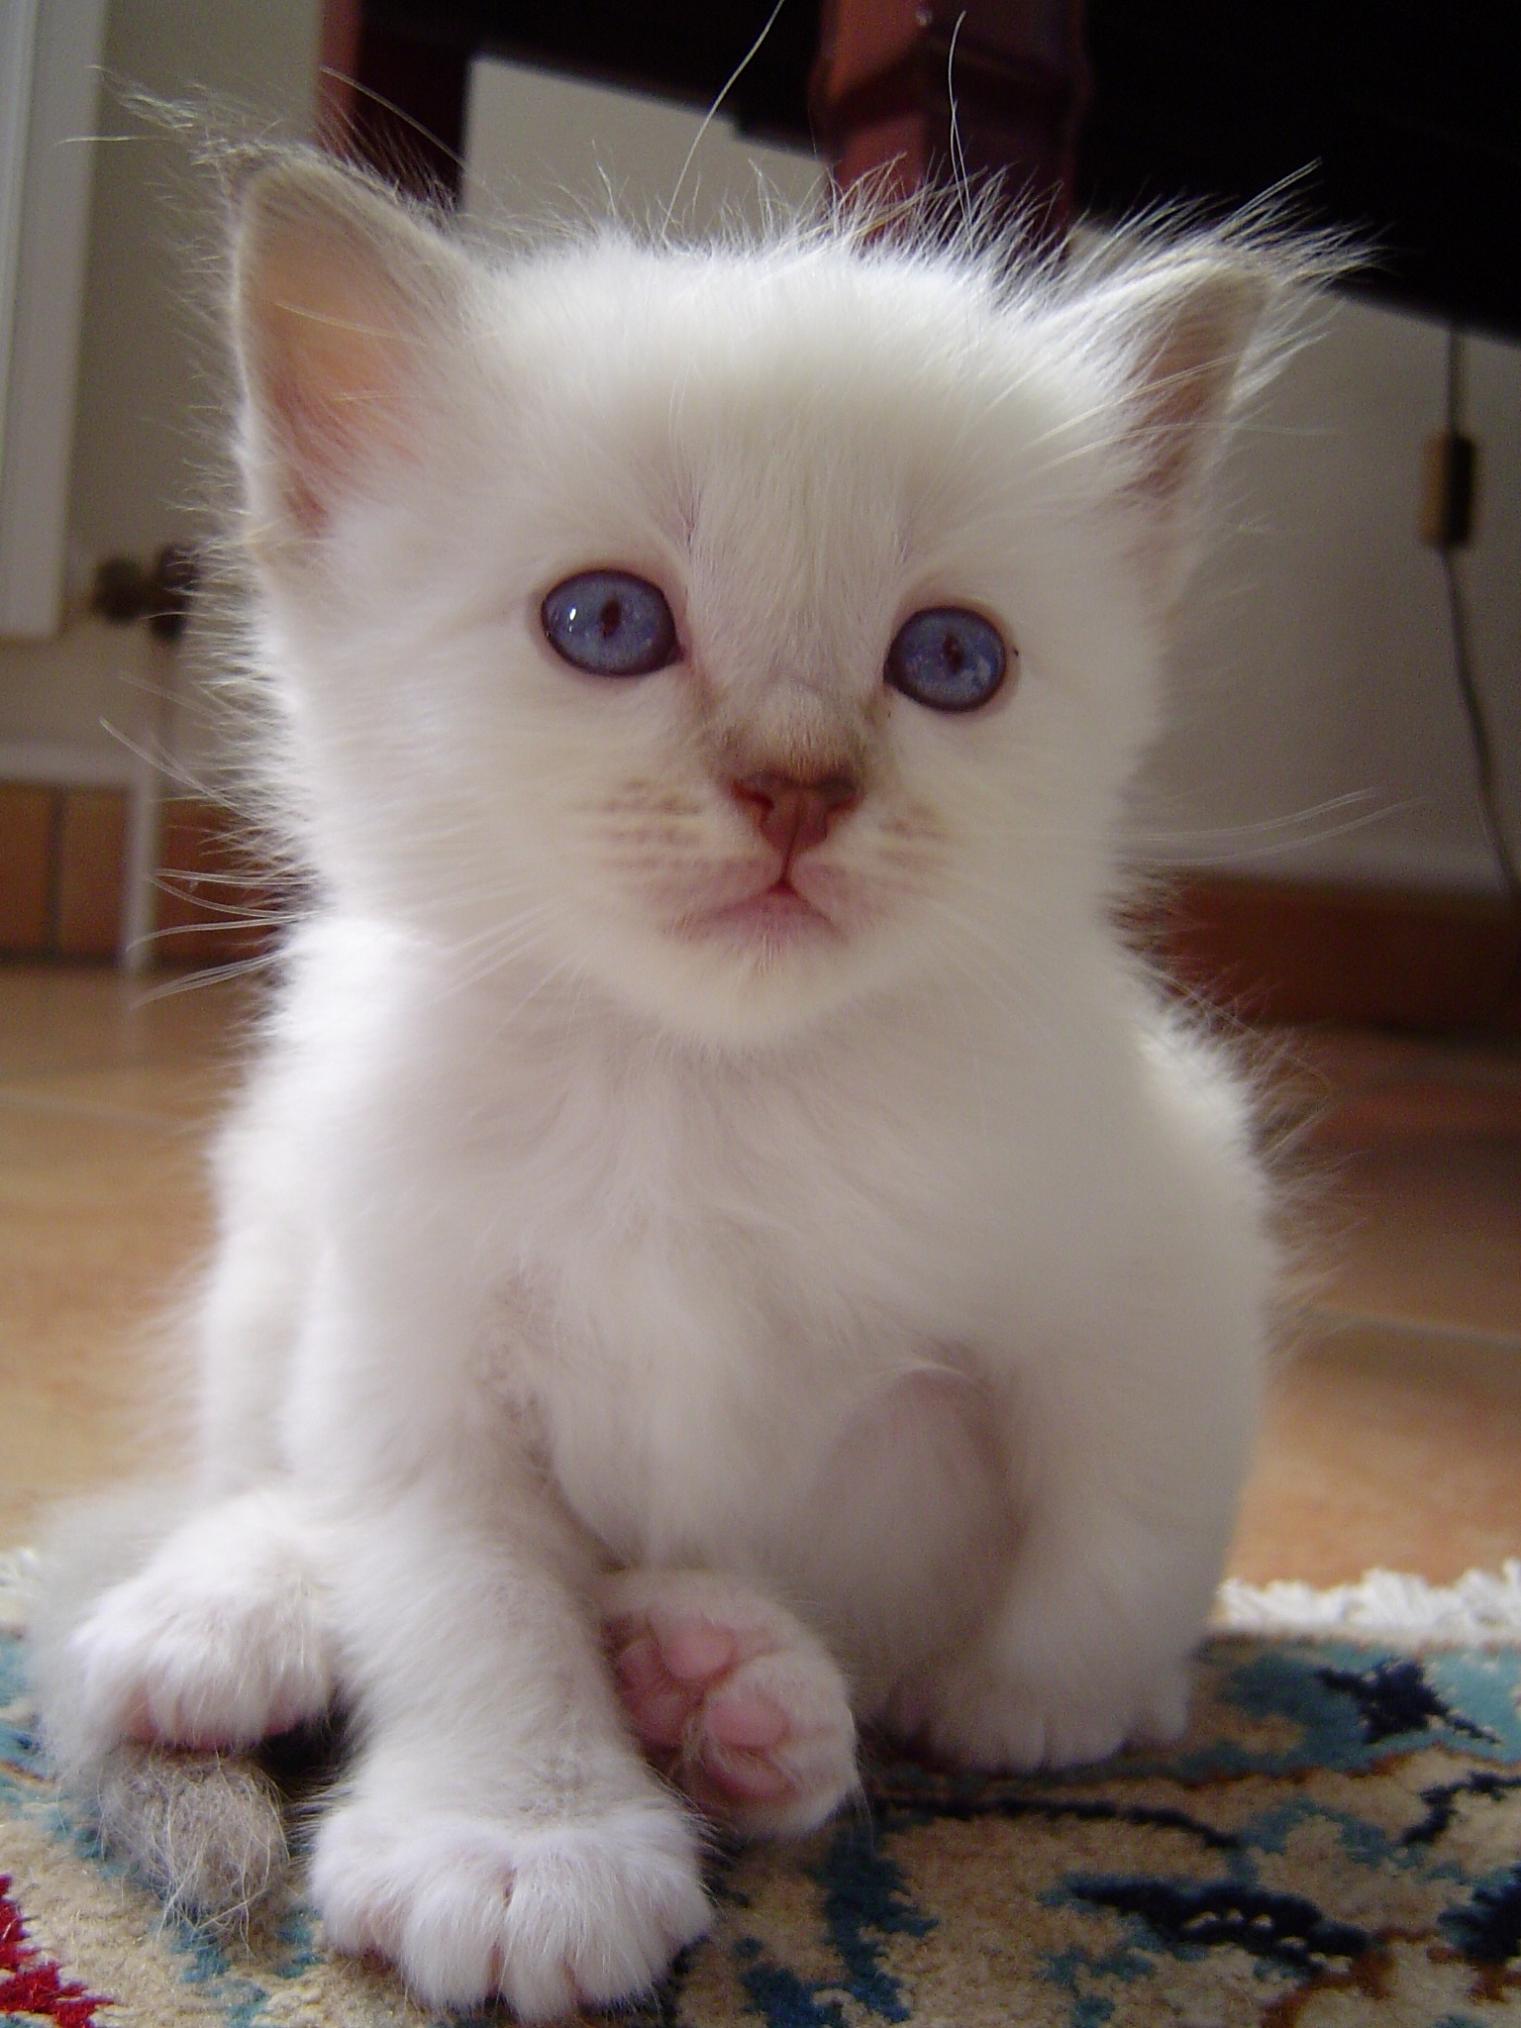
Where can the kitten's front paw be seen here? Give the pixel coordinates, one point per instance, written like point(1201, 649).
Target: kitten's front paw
point(972, 1713)
point(732, 1698)
point(547, 1916)
point(190, 1657)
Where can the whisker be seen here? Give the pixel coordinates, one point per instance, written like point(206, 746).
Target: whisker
point(210, 975)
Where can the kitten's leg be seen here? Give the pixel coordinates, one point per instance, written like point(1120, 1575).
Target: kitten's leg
point(1130, 1481)
point(497, 1834)
point(732, 1698)
point(500, 1834)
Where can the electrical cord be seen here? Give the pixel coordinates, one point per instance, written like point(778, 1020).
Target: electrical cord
point(1468, 688)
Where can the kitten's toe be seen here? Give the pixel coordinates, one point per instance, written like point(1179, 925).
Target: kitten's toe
point(973, 1714)
point(662, 1684)
point(773, 1751)
point(548, 1916)
point(733, 1699)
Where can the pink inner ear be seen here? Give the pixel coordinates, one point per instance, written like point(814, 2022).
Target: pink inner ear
point(330, 338)
point(330, 420)
point(308, 451)
point(1184, 380)
point(333, 396)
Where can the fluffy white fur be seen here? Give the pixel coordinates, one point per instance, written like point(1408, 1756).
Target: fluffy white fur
point(862, 1320)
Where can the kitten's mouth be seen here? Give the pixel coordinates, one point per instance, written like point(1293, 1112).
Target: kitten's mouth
point(774, 915)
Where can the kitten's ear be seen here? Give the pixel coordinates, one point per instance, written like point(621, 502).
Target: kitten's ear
point(340, 298)
point(1181, 330)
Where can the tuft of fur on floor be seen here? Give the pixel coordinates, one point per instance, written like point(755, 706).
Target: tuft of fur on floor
point(205, 1831)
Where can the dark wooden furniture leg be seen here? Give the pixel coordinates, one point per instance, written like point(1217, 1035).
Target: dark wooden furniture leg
point(889, 72)
point(394, 100)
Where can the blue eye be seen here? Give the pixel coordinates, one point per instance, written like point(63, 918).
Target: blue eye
point(610, 623)
point(946, 658)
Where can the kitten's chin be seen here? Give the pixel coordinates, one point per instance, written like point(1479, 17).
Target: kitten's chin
point(746, 974)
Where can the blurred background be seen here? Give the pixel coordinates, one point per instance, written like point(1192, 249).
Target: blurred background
point(1321, 775)
point(1338, 797)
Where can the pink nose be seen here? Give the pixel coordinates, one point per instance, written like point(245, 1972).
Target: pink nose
point(794, 815)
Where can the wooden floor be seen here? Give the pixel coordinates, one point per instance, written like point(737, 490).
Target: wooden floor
point(1393, 1436)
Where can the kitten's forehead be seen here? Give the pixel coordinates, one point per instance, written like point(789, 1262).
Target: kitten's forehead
point(811, 349)
point(827, 421)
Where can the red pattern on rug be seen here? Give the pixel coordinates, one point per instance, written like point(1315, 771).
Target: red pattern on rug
point(32, 1984)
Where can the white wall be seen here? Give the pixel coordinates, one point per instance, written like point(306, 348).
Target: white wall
point(140, 427)
point(49, 86)
point(1316, 660)
point(542, 147)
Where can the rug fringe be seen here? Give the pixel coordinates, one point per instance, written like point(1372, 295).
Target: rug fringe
point(1483, 1609)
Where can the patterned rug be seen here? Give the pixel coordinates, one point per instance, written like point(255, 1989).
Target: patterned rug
point(1337, 1841)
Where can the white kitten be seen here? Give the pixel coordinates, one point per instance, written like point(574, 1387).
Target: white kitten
point(721, 1242)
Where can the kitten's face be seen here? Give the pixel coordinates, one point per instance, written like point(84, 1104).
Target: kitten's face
point(783, 460)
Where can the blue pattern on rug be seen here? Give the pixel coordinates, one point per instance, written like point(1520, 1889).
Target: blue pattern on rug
point(1341, 1828)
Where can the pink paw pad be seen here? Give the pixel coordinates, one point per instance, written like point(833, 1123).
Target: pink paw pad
point(672, 1690)
point(736, 1719)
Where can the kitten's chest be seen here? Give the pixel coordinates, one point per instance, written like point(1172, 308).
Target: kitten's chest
point(707, 1320)
point(687, 1397)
